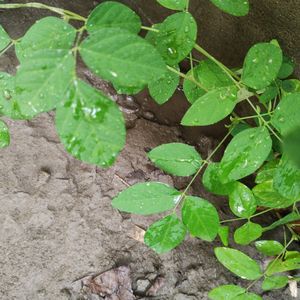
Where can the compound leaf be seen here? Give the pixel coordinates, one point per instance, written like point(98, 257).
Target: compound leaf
point(242, 201)
point(122, 58)
point(261, 66)
point(165, 234)
point(176, 159)
point(236, 8)
point(238, 263)
point(4, 135)
point(147, 198)
point(173, 4)
point(49, 33)
point(226, 292)
point(270, 248)
point(90, 126)
point(201, 218)
point(245, 153)
point(176, 37)
point(248, 233)
point(211, 108)
point(112, 14)
point(163, 88)
point(209, 75)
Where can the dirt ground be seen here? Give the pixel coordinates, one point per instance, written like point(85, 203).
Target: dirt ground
point(59, 234)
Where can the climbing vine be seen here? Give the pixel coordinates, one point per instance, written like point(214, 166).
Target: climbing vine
point(262, 145)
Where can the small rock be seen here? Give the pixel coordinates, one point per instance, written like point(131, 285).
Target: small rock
point(142, 285)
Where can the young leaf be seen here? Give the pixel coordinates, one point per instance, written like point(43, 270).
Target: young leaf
point(211, 181)
point(287, 180)
point(267, 171)
point(242, 201)
point(245, 153)
point(42, 81)
point(247, 296)
point(147, 198)
point(127, 90)
point(90, 126)
point(201, 218)
point(287, 68)
point(238, 263)
point(8, 104)
point(112, 14)
point(261, 66)
point(290, 86)
point(286, 115)
point(292, 217)
point(211, 108)
point(121, 57)
point(174, 4)
point(267, 196)
point(176, 37)
point(209, 75)
point(269, 94)
point(165, 234)
point(4, 38)
point(274, 282)
point(236, 8)
point(176, 159)
point(224, 235)
point(290, 262)
point(163, 88)
point(248, 233)
point(4, 135)
point(226, 292)
point(269, 248)
point(49, 33)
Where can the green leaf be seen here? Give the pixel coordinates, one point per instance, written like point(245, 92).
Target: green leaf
point(290, 86)
point(238, 263)
point(248, 233)
point(226, 292)
point(4, 38)
point(90, 126)
point(286, 115)
point(133, 90)
point(176, 37)
point(49, 33)
point(122, 57)
point(287, 180)
point(274, 282)
point(176, 159)
point(174, 4)
point(112, 14)
point(165, 234)
point(267, 171)
point(261, 66)
point(163, 88)
point(147, 198)
point(4, 135)
point(292, 217)
point(211, 181)
point(242, 201)
point(42, 81)
point(267, 196)
point(236, 8)
point(247, 296)
point(239, 128)
point(291, 143)
point(8, 104)
point(211, 108)
point(201, 218)
point(269, 94)
point(269, 248)
point(287, 68)
point(290, 262)
point(224, 235)
point(245, 153)
point(209, 75)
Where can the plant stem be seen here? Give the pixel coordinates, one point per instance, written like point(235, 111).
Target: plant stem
point(150, 28)
point(251, 117)
point(57, 10)
point(186, 77)
point(7, 48)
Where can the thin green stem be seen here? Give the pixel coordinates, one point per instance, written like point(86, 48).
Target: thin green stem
point(186, 77)
point(251, 117)
point(60, 11)
point(150, 29)
point(187, 5)
point(263, 120)
point(7, 48)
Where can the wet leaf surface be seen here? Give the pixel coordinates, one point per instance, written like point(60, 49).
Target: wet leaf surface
point(173, 4)
point(234, 7)
point(248, 233)
point(270, 248)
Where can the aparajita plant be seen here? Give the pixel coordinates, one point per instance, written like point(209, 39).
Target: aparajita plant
point(91, 127)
